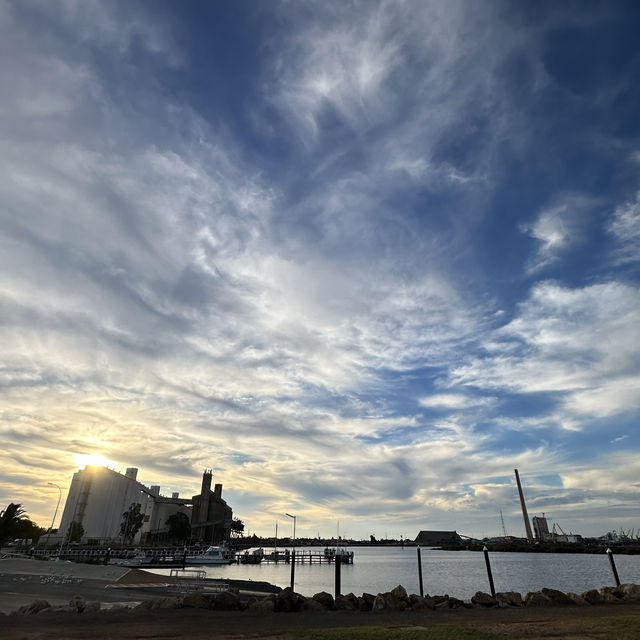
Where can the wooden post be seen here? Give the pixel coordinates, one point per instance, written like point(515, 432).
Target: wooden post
point(613, 567)
point(486, 559)
point(420, 573)
point(338, 563)
point(107, 556)
point(293, 567)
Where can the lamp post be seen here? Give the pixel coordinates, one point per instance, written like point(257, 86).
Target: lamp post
point(293, 550)
point(55, 513)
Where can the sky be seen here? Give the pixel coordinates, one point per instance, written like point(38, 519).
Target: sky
point(362, 259)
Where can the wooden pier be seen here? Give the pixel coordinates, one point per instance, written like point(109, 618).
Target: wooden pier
point(306, 557)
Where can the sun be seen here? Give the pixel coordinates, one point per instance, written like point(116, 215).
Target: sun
point(93, 460)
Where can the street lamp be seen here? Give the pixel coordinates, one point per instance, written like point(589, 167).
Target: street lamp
point(55, 512)
point(293, 550)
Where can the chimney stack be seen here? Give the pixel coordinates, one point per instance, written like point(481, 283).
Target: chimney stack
point(527, 526)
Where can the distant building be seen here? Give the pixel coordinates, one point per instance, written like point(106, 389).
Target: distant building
point(98, 497)
point(437, 538)
point(212, 516)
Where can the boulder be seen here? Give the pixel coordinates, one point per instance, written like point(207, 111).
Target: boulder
point(440, 599)
point(388, 602)
point(287, 601)
point(228, 601)
point(482, 599)
point(427, 602)
point(365, 602)
point(78, 602)
point(263, 605)
point(577, 599)
point(157, 603)
point(592, 597)
point(345, 603)
point(509, 599)
point(558, 597)
point(199, 600)
point(309, 604)
point(537, 599)
point(630, 591)
point(616, 592)
point(401, 593)
point(456, 603)
point(324, 598)
point(92, 607)
point(609, 594)
point(35, 607)
point(63, 608)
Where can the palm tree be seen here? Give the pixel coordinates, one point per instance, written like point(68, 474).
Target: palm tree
point(10, 518)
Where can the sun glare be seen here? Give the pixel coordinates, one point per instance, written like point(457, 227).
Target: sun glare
point(94, 459)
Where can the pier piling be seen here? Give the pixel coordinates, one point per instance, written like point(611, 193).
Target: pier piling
point(486, 559)
point(338, 563)
point(420, 573)
point(612, 562)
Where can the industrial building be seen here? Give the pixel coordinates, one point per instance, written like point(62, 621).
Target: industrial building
point(437, 538)
point(99, 497)
point(212, 516)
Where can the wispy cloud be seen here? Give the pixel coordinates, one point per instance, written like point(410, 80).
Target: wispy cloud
point(625, 228)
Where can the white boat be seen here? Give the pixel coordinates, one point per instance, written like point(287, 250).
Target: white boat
point(213, 555)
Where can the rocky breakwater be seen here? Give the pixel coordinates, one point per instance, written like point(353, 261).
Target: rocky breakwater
point(396, 600)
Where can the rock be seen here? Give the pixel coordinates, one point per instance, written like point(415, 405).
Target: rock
point(228, 601)
point(92, 607)
point(199, 601)
point(558, 597)
point(287, 601)
point(456, 603)
point(365, 601)
point(579, 600)
point(78, 602)
point(630, 591)
point(445, 604)
point(264, 605)
point(64, 608)
point(344, 603)
point(537, 599)
point(34, 607)
point(483, 599)
point(509, 599)
point(309, 604)
point(154, 603)
point(388, 602)
point(608, 595)
point(423, 603)
point(440, 599)
point(616, 592)
point(325, 599)
point(592, 597)
point(401, 593)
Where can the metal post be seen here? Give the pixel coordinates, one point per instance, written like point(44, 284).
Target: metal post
point(338, 562)
point(420, 573)
point(613, 567)
point(107, 556)
point(293, 551)
point(486, 559)
point(184, 558)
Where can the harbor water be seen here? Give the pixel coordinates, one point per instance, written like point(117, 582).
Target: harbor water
point(459, 573)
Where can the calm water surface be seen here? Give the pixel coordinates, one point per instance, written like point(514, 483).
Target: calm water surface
point(458, 573)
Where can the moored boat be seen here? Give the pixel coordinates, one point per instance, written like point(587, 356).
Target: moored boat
point(213, 555)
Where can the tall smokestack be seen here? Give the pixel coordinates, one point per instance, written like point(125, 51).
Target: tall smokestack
point(527, 526)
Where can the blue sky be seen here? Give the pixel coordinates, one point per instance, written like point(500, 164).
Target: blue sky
point(362, 259)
